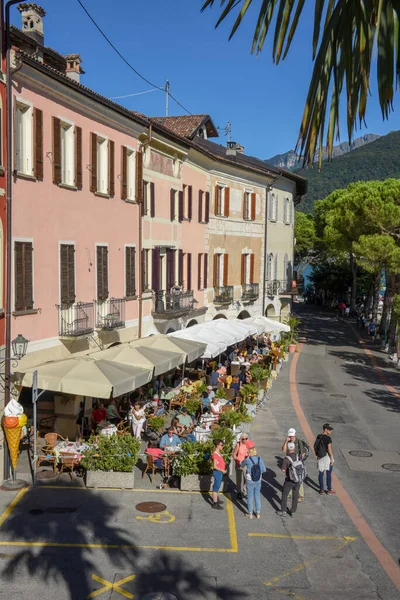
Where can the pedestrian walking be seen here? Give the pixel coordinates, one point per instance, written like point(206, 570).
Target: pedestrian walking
point(295, 475)
point(302, 451)
point(137, 418)
point(219, 469)
point(255, 467)
point(240, 452)
point(323, 452)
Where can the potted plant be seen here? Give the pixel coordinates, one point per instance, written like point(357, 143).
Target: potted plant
point(193, 405)
point(249, 393)
point(156, 424)
point(294, 324)
point(194, 466)
point(230, 419)
point(109, 461)
point(221, 393)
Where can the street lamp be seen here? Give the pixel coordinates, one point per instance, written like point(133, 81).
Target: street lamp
point(19, 346)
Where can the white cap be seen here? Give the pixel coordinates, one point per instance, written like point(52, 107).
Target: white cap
point(291, 431)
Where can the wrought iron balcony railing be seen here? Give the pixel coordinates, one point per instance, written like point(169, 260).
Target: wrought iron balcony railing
point(223, 294)
point(173, 302)
point(110, 313)
point(250, 291)
point(75, 319)
point(276, 286)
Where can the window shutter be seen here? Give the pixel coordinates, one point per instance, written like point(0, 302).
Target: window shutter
point(199, 272)
point(139, 177)
point(226, 263)
point(152, 200)
point(285, 211)
point(124, 174)
point(207, 211)
point(78, 157)
point(243, 269)
point(251, 268)
point(143, 204)
point(56, 150)
point(15, 138)
point(205, 274)
point(189, 271)
point(28, 264)
point(130, 271)
point(111, 168)
point(93, 151)
point(200, 206)
point(215, 274)
point(172, 204)
point(156, 270)
point(67, 272)
point(180, 268)
point(180, 208)
point(276, 208)
point(269, 200)
point(244, 206)
point(216, 200)
point(18, 276)
point(102, 273)
point(144, 270)
point(226, 202)
point(190, 200)
point(38, 137)
point(253, 206)
point(276, 267)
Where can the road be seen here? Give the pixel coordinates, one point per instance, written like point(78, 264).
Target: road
point(69, 543)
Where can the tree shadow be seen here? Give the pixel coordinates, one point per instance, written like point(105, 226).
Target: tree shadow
point(88, 522)
point(385, 399)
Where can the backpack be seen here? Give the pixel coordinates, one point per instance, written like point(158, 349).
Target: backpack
point(319, 447)
point(255, 470)
point(297, 470)
point(302, 448)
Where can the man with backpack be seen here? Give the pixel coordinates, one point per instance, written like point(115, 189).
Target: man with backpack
point(255, 467)
point(323, 452)
point(295, 475)
point(302, 450)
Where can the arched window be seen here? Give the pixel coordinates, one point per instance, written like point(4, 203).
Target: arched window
point(287, 217)
point(285, 269)
point(276, 267)
point(273, 208)
point(269, 266)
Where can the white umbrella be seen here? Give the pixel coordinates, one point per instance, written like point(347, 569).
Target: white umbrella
point(270, 326)
point(234, 327)
point(189, 349)
point(86, 376)
point(145, 357)
point(214, 346)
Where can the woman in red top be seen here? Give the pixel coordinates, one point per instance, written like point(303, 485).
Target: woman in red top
point(219, 468)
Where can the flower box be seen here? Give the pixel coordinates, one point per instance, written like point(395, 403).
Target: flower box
point(110, 479)
point(200, 483)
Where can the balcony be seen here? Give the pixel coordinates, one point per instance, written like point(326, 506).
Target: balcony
point(110, 313)
point(173, 303)
point(277, 287)
point(250, 292)
point(76, 319)
point(223, 294)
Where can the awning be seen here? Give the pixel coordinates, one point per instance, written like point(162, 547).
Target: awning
point(86, 376)
point(236, 328)
point(214, 347)
point(145, 357)
point(189, 349)
point(266, 325)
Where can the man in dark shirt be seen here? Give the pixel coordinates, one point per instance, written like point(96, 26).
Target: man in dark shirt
point(323, 452)
point(289, 485)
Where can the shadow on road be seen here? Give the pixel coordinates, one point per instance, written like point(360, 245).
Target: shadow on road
point(86, 518)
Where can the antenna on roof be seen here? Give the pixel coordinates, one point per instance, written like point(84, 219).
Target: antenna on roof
point(166, 97)
point(227, 130)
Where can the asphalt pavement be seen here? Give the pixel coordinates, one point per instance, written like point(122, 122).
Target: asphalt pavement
point(65, 543)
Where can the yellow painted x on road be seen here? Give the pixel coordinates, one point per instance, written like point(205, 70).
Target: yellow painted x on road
point(108, 585)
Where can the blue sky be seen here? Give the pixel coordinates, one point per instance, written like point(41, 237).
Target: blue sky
point(171, 39)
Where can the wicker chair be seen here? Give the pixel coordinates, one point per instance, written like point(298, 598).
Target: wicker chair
point(150, 465)
point(51, 439)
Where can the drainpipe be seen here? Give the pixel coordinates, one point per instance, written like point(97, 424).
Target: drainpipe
point(9, 168)
point(144, 143)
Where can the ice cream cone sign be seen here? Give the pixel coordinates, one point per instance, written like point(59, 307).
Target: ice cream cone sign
point(13, 422)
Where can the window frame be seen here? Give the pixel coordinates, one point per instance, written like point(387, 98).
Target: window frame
point(24, 310)
point(68, 153)
point(102, 300)
point(25, 139)
point(135, 281)
point(102, 164)
point(130, 174)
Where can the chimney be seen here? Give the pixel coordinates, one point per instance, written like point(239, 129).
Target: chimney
point(73, 69)
point(32, 21)
point(231, 148)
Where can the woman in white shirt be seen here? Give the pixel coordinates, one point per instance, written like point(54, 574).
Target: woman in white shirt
point(138, 419)
point(215, 408)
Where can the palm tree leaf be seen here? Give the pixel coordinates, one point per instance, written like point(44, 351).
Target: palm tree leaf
point(319, 7)
point(280, 34)
point(293, 27)
point(243, 11)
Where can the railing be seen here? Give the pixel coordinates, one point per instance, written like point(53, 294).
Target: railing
point(76, 319)
point(250, 291)
point(110, 313)
point(173, 302)
point(278, 287)
point(223, 294)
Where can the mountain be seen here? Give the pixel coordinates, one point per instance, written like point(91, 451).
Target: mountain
point(375, 161)
point(290, 160)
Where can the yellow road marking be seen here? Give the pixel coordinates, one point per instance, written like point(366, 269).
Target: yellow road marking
point(108, 585)
point(306, 564)
point(114, 546)
point(12, 505)
point(232, 524)
point(158, 517)
point(303, 537)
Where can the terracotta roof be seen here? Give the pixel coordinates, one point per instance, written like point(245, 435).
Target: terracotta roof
point(188, 125)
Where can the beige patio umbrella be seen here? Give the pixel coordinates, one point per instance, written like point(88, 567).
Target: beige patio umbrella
point(87, 376)
point(189, 349)
point(142, 356)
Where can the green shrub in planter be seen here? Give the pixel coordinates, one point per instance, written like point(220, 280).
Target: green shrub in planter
point(193, 405)
point(249, 393)
point(230, 419)
point(259, 373)
point(118, 453)
point(156, 423)
point(195, 458)
point(221, 393)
